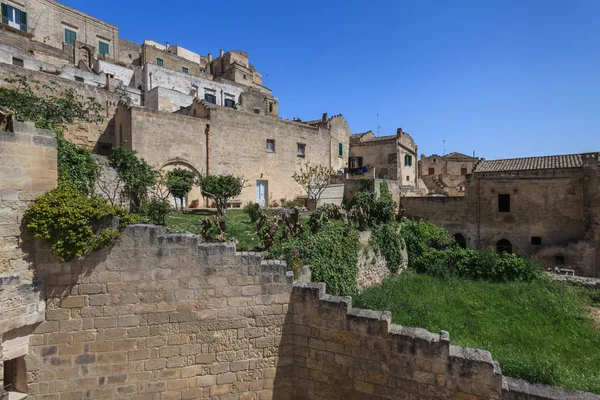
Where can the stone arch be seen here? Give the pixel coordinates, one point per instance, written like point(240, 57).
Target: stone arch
point(195, 193)
point(87, 55)
point(504, 245)
point(460, 240)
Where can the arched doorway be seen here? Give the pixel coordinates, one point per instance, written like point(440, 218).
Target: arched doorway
point(504, 245)
point(460, 240)
point(194, 194)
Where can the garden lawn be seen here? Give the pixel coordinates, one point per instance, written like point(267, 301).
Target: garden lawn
point(539, 331)
point(238, 226)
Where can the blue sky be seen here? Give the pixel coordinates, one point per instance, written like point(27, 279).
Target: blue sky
point(503, 78)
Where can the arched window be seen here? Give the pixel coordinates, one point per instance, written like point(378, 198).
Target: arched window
point(503, 245)
point(460, 240)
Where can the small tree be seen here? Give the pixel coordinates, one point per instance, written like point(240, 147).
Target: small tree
point(221, 188)
point(137, 176)
point(314, 179)
point(180, 181)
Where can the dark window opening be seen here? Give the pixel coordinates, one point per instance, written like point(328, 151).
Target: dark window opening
point(15, 379)
point(79, 79)
point(301, 150)
point(104, 148)
point(18, 62)
point(270, 107)
point(431, 171)
point(504, 202)
point(407, 177)
point(211, 98)
point(257, 111)
point(559, 260)
point(270, 146)
point(463, 171)
point(229, 103)
point(340, 150)
point(160, 62)
point(185, 70)
point(130, 56)
point(536, 240)
point(460, 240)
point(503, 246)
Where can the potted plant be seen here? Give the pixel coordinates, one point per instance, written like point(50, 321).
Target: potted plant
point(195, 203)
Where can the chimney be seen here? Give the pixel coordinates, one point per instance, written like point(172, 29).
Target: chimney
point(209, 58)
point(399, 132)
point(324, 117)
point(110, 82)
point(221, 53)
point(167, 46)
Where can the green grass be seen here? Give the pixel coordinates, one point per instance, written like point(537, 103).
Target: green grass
point(538, 331)
point(238, 227)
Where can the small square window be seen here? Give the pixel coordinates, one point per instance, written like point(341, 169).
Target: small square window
point(103, 48)
point(270, 146)
point(70, 36)
point(160, 62)
point(229, 103)
point(257, 111)
point(79, 79)
point(407, 177)
point(185, 70)
point(301, 150)
point(18, 62)
point(559, 260)
point(504, 203)
point(431, 171)
point(536, 240)
point(408, 160)
point(130, 57)
point(211, 98)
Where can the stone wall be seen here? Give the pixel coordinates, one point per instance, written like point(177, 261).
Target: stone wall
point(162, 316)
point(27, 170)
point(172, 61)
point(83, 133)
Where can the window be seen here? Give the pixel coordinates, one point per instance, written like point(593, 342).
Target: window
point(559, 260)
point(301, 150)
point(230, 103)
point(270, 107)
point(270, 146)
point(211, 98)
point(257, 111)
point(103, 48)
point(184, 70)
point(160, 62)
point(18, 62)
point(460, 240)
point(340, 150)
point(15, 375)
point(130, 56)
point(408, 160)
point(79, 79)
point(536, 240)
point(407, 177)
point(431, 171)
point(355, 162)
point(70, 36)
point(504, 202)
point(14, 17)
point(504, 246)
point(463, 171)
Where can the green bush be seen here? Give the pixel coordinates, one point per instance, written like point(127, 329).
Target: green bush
point(71, 223)
point(76, 166)
point(253, 211)
point(387, 239)
point(432, 251)
point(137, 176)
point(332, 253)
point(369, 211)
point(155, 211)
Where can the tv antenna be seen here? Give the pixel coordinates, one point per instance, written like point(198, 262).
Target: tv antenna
point(378, 126)
point(444, 153)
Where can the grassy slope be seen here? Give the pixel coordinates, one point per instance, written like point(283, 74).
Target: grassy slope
point(537, 331)
point(238, 227)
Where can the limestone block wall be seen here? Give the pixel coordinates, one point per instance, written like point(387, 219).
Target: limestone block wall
point(162, 317)
point(27, 170)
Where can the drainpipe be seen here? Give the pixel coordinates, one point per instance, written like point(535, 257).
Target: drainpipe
point(207, 132)
point(150, 81)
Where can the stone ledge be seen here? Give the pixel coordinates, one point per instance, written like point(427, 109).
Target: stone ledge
point(521, 390)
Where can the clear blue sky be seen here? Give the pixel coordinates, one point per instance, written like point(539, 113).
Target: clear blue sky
point(506, 78)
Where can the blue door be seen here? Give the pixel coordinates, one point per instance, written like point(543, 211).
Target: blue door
point(261, 193)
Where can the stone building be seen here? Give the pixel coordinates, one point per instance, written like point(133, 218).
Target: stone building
point(393, 158)
point(446, 174)
point(547, 207)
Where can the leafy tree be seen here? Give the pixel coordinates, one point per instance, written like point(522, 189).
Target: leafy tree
point(137, 176)
point(314, 179)
point(48, 110)
point(76, 166)
point(221, 188)
point(180, 181)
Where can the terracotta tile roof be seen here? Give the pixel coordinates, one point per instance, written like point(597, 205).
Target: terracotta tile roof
point(530, 163)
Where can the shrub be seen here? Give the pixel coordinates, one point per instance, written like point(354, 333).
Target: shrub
point(332, 254)
point(421, 236)
point(368, 211)
point(387, 239)
point(155, 211)
point(180, 181)
point(74, 224)
point(137, 175)
point(221, 188)
point(76, 166)
point(253, 211)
